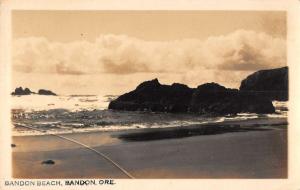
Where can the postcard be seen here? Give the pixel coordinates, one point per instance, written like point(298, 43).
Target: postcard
point(132, 95)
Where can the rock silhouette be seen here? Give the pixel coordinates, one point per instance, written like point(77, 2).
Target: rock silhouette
point(209, 98)
point(20, 91)
point(46, 92)
point(272, 83)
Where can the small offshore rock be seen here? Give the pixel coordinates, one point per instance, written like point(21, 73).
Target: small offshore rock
point(46, 92)
point(48, 162)
point(20, 92)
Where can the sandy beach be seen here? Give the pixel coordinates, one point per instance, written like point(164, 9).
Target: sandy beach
point(251, 149)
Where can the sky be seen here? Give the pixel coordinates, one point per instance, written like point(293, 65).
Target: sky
point(111, 52)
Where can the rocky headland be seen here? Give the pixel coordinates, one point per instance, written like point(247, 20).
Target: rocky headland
point(209, 98)
point(272, 83)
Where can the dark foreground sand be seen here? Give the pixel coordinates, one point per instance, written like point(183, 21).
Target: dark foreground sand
point(250, 151)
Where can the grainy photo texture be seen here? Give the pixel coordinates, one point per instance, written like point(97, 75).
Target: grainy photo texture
point(149, 94)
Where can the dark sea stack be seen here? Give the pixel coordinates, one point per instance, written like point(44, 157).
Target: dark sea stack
point(252, 103)
point(209, 98)
point(153, 96)
point(20, 92)
point(46, 92)
point(272, 84)
point(212, 98)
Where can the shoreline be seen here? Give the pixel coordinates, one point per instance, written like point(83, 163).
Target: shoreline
point(257, 153)
point(248, 122)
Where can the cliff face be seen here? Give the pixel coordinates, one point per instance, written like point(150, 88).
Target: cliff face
point(272, 84)
point(209, 98)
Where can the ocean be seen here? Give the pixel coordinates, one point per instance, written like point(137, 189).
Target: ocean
point(85, 113)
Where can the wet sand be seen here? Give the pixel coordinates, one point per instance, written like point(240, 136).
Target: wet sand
point(248, 149)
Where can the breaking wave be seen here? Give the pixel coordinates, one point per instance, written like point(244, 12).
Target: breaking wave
point(86, 113)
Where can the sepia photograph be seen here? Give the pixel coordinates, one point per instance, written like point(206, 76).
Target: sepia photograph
point(149, 94)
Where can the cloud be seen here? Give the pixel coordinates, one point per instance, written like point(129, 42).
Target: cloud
point(120, 54)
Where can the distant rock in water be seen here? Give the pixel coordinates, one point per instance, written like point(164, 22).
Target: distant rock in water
point(46, 92)
point(48, 162)
point(272, 84)
point(209, 98)
point(20, 91)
